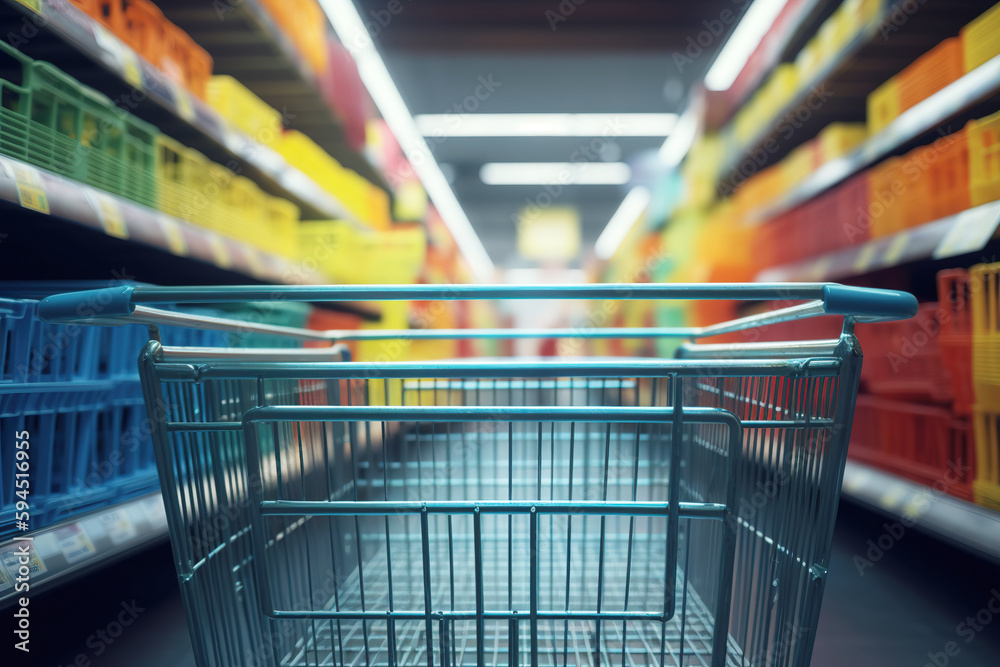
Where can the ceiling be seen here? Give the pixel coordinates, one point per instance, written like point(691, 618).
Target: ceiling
point(565, 56)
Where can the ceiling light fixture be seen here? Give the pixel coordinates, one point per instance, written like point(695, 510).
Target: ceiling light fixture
point(745, 38)
point(546, 124)
point(631, 209)
point(680, 141)
point(553, 173)
point(352, 33)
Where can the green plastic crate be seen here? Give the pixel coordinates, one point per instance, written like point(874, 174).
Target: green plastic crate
point(52, 121)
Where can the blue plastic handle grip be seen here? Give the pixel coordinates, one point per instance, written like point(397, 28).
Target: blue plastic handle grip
point(869, 303)
point(88, 304)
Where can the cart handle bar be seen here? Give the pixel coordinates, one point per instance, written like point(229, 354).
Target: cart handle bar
point(127, 304)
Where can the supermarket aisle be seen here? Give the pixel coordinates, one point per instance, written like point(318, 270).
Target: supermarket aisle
point(905, 606)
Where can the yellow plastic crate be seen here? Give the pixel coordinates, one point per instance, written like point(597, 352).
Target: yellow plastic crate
point(185, 181)
point(856, 15)
point(985, 427)
point(350, 255)
point(883, 106)
point(282, 219)
point(244, 110)
point(778, 91)
point(834, 34)
point(984, 286)
point(984, 159)
point(838, 139)
point(981, 39)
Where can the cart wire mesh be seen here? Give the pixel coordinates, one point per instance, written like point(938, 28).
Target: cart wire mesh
point(353, 538)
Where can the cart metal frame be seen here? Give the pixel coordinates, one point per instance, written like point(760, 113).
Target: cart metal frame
point(724, 482)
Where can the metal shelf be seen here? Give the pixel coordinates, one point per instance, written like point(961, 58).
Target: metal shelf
point(246, 43)
point(869, 59)
point(971, 89)
point(61, 198)
point(965, 232)
point(971, 527)
point(132, 83)
point(68, 549)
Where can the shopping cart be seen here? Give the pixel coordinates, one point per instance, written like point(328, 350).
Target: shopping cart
point(517, 511)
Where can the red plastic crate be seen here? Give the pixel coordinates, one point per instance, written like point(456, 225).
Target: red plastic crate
point(956, 336)
point(850, 210)
point(922, 443)
point(903, 359)
point(931, 72)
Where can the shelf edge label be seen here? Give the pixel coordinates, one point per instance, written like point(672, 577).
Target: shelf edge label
point(30, 189)
point(109, 213)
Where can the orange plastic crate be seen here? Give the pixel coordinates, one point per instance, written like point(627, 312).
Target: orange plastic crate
point(185, 61)
point(948, 186)
point(903, 359)
point(956, 335)
point(885, 187)
point(920, 442)
point(914, 196)
point(850, 211)
point(931, 72)
point(144, 30)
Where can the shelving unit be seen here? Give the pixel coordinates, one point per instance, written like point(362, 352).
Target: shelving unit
point(968, 526)
point(960, 234)
point(246, 43)
point(865, 62)
point(980, 84)
point(65, 33)
point(72, 548)
point(74, 204)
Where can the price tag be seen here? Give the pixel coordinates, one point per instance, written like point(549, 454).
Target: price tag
point(895, 249)
point(74, 543)
point(33, 5)
point(109, 213)
point(891, 497)
point(123, 56)
point(155, 514)
point(220, 252)
point(30, 190)
point(183, 101)
point(970, 231)
point(821, 267)
point(175, 238)
point(11, 560)
point(864, 258)
point(119, 527)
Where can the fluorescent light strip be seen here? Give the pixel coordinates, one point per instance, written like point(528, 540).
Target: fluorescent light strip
point(352, 33)
point(747, 36)
point(680, 141)
point(551, 173)
point(546, 124)
point(631, 209)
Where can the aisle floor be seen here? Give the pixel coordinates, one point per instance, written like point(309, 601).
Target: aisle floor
point(907, 609)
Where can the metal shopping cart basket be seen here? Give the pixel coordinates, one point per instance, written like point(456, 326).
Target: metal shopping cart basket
point(513, 511)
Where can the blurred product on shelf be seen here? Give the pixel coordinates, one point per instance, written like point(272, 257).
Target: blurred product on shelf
point(981, 39)
point(984, 159)
point(52, 121)
point(195, 189)
point(346, 253)
point(141, 25)
point(883, 106)
point(956, 335)
point(919, 442)
point(904, 360)
point(984, 290)
point(369, 203)
point(930, 73)
point(344, 92)
point(305, 24)
point(244, 110)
